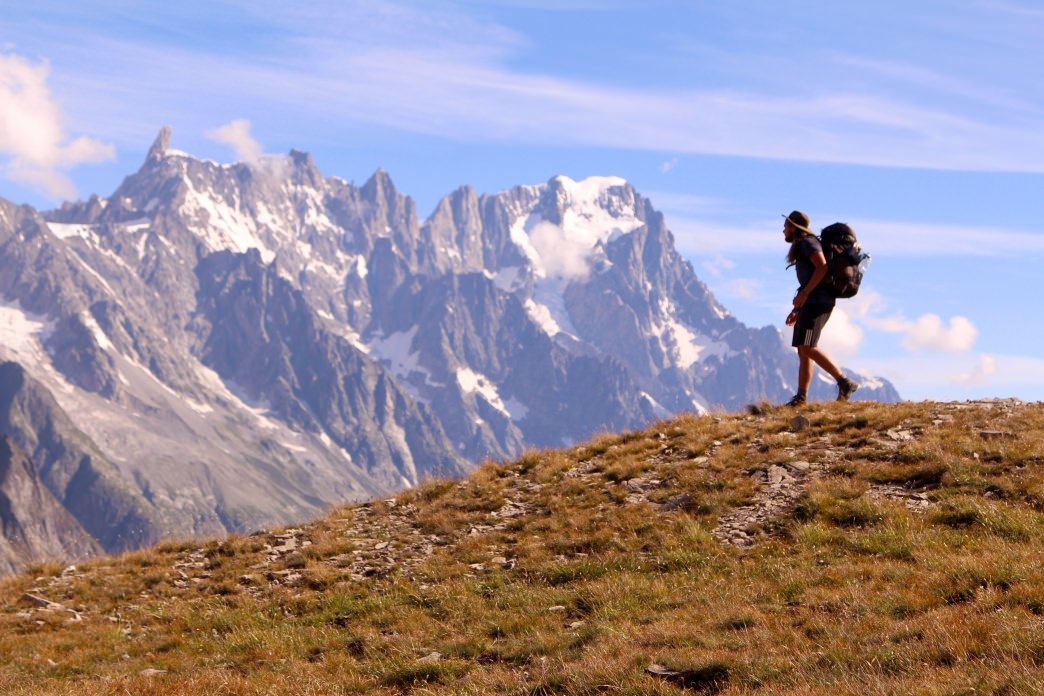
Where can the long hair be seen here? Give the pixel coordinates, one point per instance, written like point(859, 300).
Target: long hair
point(792, 255)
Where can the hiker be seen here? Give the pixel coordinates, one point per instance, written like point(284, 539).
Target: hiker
point(812, 307)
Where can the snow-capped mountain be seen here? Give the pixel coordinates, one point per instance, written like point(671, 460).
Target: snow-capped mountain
point(219, 347)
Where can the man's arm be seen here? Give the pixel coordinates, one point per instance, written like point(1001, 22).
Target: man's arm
point(819, 262)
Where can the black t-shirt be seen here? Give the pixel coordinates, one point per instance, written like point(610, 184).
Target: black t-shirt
point(808, 246)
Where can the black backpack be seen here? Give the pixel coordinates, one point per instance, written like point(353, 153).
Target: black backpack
point(845, 259)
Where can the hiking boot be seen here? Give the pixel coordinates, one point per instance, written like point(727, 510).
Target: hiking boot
point(798, 400)
point(845, 388)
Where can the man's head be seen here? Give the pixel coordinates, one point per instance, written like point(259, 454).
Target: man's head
point(795, 224)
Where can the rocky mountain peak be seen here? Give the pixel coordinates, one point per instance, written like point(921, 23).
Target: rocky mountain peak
point(610, 194)
point(303, 169)
point(160, 145)
point(379, 187)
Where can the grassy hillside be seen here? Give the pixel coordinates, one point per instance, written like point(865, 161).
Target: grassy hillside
point(873, 549)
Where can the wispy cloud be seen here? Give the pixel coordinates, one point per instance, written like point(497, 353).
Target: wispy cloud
point(31, 132)
point(920, 239)
point(441, 71)
point(982, 372)
point(669, 166)
point(745, 288)
point(562, 5)
point(718, 265)
point(700, 236)
point(696, 237)
point(962, 375)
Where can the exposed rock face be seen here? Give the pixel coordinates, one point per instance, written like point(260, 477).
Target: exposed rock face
point(36, 527)
point(219, 347)
point(71, 467)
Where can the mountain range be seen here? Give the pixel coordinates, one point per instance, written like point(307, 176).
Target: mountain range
point(218, 347)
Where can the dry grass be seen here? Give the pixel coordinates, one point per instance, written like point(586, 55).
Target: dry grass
point(559, 574)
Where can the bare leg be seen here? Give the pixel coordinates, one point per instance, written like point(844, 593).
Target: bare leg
point(824, 361)
point(804, 369)
point(806, 356)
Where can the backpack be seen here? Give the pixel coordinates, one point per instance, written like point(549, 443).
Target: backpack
point(845, 259)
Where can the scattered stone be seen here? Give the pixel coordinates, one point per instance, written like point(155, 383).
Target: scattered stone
point(997, 435)
point(682, 501)
point(286, 547)
point(510, 509)
point(914, 501)
point(36, 601)
point(430, 658)
point(557, 608)
point(708, 680)
point(150, 672)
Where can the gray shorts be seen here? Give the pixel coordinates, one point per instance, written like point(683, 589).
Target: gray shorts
point(810, 322)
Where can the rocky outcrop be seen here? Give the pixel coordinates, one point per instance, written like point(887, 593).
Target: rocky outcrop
point(36, 527)
point(78, 476)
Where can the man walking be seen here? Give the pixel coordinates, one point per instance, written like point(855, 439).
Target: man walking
point(812, 307)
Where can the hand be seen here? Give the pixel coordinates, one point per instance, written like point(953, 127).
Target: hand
point(792, 317)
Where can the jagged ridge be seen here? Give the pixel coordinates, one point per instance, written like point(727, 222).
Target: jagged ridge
point(237, 345)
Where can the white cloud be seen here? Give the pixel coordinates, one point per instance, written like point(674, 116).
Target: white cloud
point(986, 368)
point(928, 332)
point(237, 135)
point(248, 150)
point(561, 257)
point(31, 132)
point(842, 336)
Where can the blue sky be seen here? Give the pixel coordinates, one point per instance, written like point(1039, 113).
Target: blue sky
point(918, 123)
